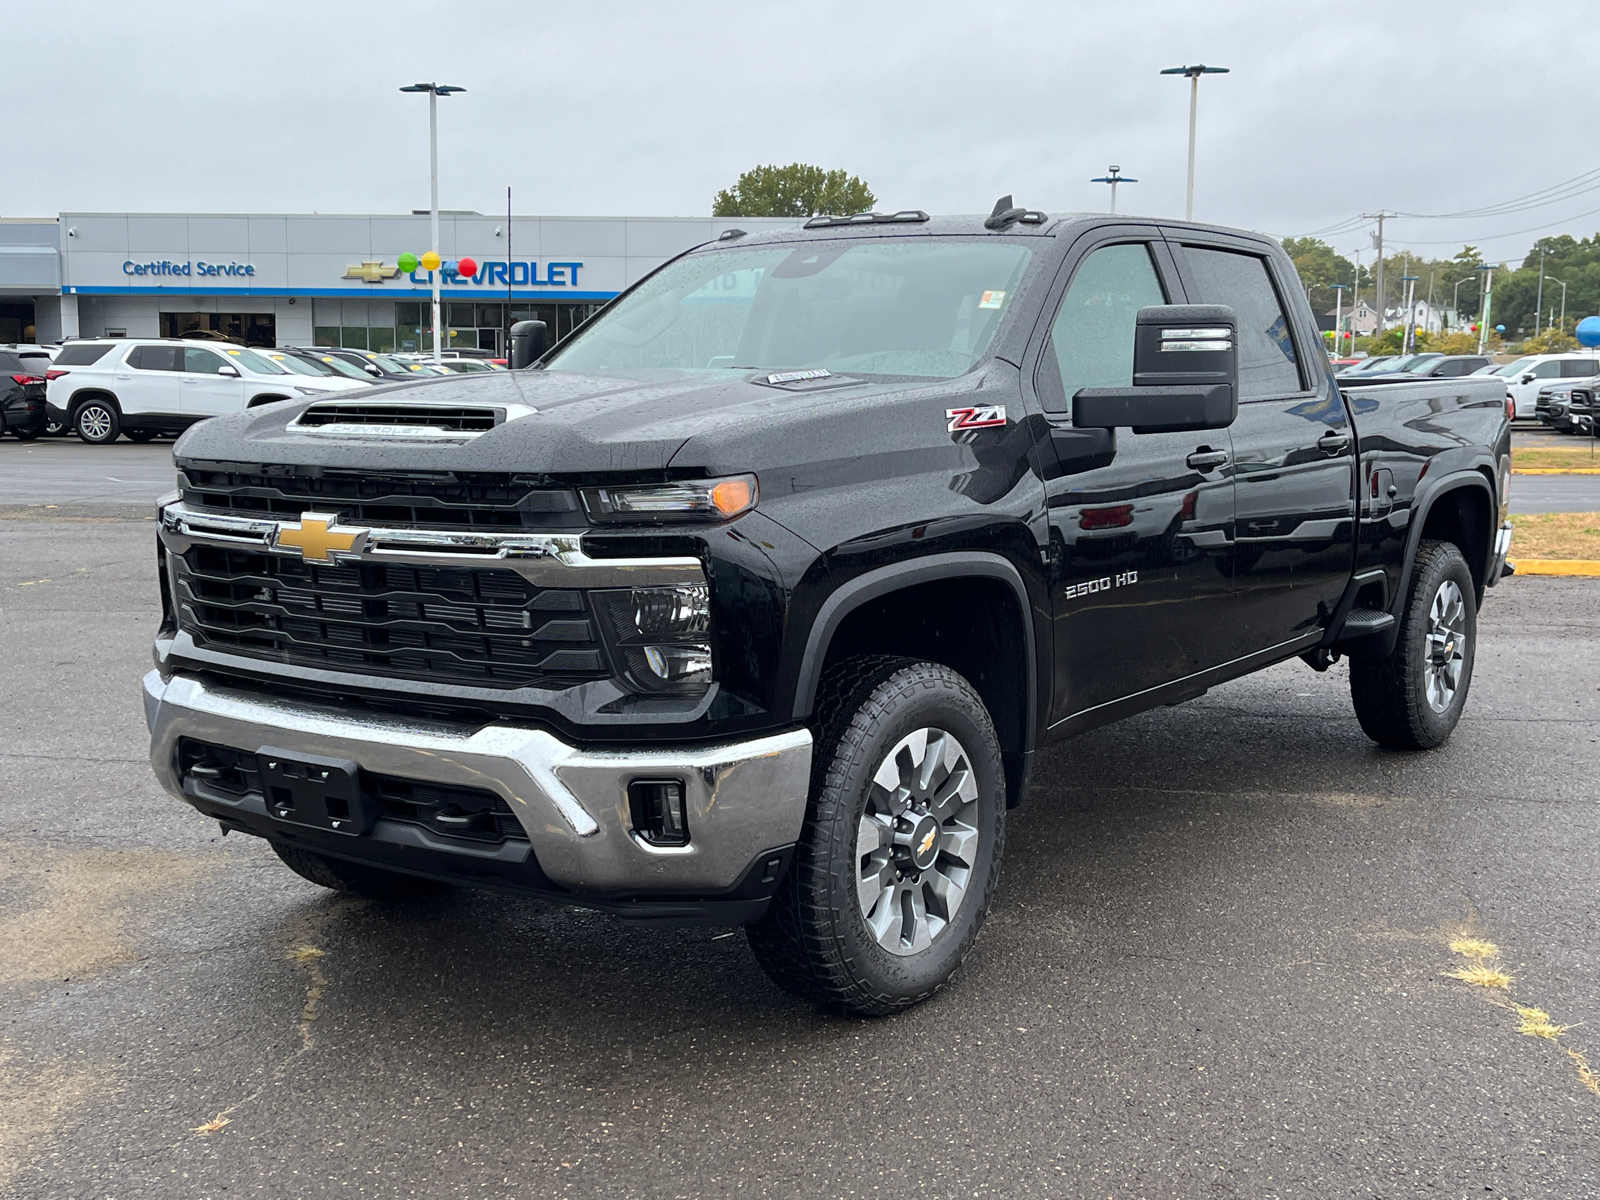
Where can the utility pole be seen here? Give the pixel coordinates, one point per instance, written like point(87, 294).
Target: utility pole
point(1194, 74)
point(1113, 176)
point(1339, 290)
point(1408, 337)
point(1377, 241)
point(1563, 325)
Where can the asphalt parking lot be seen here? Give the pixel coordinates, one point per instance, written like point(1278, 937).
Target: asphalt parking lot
point(1216, 965)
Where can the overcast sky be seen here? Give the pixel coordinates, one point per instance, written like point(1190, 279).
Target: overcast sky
point(648, 108)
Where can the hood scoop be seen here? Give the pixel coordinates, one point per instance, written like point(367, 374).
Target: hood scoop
point(407, 420)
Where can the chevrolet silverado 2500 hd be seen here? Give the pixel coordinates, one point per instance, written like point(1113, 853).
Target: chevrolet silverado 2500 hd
point(752, 601)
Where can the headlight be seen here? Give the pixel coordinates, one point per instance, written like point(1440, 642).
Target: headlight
point(692, 500)
point(305, 391)
point(661, 635)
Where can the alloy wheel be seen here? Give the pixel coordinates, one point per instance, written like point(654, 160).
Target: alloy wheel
point(94, 422)
point(917, 841)
point(1445, 646)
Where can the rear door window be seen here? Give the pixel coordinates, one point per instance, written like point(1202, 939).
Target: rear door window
point(82, 354)
point(1268, 365)
point(1578, 368)
point(155, 358)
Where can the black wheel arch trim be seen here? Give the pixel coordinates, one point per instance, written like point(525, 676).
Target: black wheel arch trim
point(894, 577)
point(1422, 505)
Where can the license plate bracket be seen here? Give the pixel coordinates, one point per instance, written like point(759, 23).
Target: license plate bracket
point(320, 793)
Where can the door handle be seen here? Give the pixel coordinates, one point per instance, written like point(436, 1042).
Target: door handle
point(1333, 443)
point(1206, 459)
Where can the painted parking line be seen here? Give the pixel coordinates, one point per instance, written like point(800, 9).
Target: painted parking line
point(1555, 470)
point(1557, 566)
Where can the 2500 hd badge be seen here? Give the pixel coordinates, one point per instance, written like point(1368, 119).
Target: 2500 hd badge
point(696, 617)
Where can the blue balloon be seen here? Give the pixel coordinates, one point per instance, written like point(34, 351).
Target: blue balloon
point(1588, 332)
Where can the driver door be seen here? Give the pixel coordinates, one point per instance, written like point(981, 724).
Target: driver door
point(1141, 544)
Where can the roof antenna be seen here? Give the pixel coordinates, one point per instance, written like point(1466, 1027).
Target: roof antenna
point(1006, 214)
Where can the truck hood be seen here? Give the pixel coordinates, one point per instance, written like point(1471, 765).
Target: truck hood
point(583, 424)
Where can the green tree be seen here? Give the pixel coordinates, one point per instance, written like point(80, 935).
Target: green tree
point(1320, 267)
point(797, 190)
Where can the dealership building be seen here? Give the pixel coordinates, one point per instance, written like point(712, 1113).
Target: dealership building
point(311, 279)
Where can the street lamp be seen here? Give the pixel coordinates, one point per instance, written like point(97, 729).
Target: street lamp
point(1194, 74)
point(1339, 289)
point(1455, 299)
point(1488, 301)
point(434, 90)
point(1113, 176)
point(1563, 325)
point(1408, 342)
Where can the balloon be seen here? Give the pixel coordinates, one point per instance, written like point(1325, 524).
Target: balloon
point(408, 263)
point(1588, 332)
point(467, 267)
point(431, 261)
point(449, 266)
point(1499, 328)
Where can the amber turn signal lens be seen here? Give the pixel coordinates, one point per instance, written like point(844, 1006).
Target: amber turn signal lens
point(734, 496)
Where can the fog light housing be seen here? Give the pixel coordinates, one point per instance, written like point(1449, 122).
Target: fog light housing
point(660, 816)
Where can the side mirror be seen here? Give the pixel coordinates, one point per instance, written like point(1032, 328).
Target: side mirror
point(1527, 378)
point(1185, 374)
point(372, 370)
point(231, 371)
point(529, 339)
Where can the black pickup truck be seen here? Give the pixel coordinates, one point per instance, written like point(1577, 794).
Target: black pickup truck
point(752, 601)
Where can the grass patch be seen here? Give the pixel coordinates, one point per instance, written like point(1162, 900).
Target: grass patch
point(1555, 535)
point(1474, 948)
point(1537, 1023)
point(1579, 455)
point(1481, 976)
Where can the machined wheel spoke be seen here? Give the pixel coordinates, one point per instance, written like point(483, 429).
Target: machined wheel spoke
point(959, 842)
point(947, 894)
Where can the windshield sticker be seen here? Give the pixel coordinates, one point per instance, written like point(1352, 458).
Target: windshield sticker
point(980, 416)
point(992, 300)
point(794, 376)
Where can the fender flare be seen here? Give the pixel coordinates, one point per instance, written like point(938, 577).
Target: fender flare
point(83, 395)
point(1421, 508)
point(880, 581)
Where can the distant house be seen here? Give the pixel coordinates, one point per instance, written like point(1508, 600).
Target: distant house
point(1428, 317)
point(1362, 319)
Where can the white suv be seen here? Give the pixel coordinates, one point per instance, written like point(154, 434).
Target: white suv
point(1526, 377)
point(143, 387)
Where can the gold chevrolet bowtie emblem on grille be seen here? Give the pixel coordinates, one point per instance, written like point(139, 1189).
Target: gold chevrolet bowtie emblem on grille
point(371, 272)
point(316, 540)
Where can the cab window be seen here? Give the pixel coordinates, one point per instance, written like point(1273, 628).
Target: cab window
point(1093, 332)
point(1268, 365)
point(1577, 368)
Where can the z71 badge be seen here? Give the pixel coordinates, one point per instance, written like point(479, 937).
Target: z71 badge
point(980, 416)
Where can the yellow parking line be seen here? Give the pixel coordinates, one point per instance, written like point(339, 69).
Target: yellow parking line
point(1555, 470)
point(1557, 566)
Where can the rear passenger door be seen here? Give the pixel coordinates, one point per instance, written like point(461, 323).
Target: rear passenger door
point(1139, 543)
point(1293, 453)
point(148, 381)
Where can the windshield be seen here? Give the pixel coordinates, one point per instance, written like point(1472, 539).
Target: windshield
point(1512, 368)
point(1370, 364)
point(249, 360)
point(340, 366)
point(903, 307)
point(294, 365)
point(392, 365)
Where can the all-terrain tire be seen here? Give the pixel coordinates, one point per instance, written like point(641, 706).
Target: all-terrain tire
point(1398, 699)
point(356, 878)
point(814, 940)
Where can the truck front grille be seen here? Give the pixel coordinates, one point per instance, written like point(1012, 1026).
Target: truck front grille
point(485, 627)
point(437, 500)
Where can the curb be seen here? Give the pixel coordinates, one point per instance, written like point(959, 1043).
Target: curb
point(1555, 470)
point(1557, 566)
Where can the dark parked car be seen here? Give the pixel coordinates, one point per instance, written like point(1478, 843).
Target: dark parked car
point(22, 389)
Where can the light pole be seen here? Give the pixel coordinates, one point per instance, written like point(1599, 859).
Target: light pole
point(1408, 339)
point(1194, 74)
point(1339, 289)
point(1488, 300)
point(434, 90)
point(1455, 300)
point(1563, 325)
point(1538, 303)
point(1113, 176)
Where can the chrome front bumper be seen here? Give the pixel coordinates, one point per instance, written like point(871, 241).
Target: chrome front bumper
point(743, 798)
